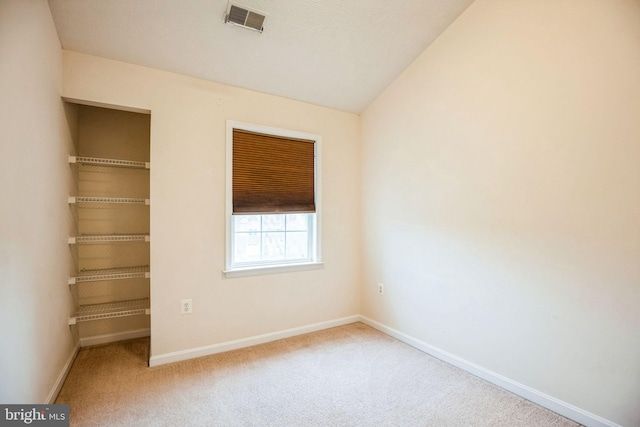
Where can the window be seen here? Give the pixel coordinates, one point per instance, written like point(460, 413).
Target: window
point(273, 199)
point(271, 238)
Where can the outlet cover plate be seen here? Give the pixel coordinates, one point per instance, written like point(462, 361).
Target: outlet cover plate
point(186, 306)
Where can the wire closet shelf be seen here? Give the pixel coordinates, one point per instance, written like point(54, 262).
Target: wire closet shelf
point(114, 163)
point(111, 310)
point(137, 272)
point(89, 239)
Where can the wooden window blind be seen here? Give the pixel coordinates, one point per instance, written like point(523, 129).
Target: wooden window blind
point(272, 174)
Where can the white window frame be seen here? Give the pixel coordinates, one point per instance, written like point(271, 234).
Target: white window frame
point(315, 232)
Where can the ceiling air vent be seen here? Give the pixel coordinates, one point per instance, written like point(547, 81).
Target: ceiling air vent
point(243, 17)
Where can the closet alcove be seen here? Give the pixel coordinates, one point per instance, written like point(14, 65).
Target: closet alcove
point(109, 239)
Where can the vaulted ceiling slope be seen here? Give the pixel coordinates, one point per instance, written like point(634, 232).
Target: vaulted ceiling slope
point(336, 53)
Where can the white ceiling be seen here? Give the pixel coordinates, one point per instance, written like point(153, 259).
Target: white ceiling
point(336, 53)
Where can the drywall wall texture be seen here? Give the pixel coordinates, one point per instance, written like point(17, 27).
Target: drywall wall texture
point(501, 197)
point(35, 301)
point(188, 119)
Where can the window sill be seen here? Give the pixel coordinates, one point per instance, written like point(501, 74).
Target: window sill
point(272, 269)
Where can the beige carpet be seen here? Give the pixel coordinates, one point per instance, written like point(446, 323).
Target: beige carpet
point(347, 376)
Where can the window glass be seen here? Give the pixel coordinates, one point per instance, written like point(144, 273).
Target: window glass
point(273, 222)
point(297, 245)
point(297, 222)
point(247, 247)
point(271, 238)
point(247, 222)
point(273, 246)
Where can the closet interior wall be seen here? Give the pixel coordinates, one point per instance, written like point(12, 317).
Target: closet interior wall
point(112, 134)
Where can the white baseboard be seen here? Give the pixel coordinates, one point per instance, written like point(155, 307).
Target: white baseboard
point(556, 405)
point(118, 336)
point(563, 408)
point(177, 356)
point(53, 394)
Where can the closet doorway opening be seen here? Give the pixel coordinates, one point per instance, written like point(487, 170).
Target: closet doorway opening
point(109, 239)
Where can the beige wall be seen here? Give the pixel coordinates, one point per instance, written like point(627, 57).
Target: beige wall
point(35, 302)
point(188, 205)
point(501, 198)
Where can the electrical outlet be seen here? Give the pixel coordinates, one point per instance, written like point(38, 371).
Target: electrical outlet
point(380, 288)
point(186, 306)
